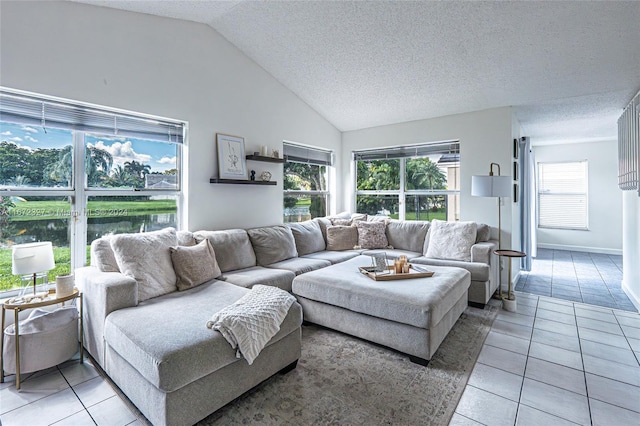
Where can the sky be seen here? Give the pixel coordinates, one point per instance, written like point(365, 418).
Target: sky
point(160, 156)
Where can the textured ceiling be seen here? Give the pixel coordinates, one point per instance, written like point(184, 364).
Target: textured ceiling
point(568, 68)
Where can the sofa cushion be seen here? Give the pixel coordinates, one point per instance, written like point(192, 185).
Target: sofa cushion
point(324, 224)
point(172, 354)
point(308, 237)
point(146, 258)
point(407, 235)
point(186, 238)
point(248, 277)
point(272, 244)
point(194, 265)
point(300, 265)
point(102, 255)
point(334, 256)
point(479, 271)
point(451, 240)
point(341, 237)
point(372, 235)
point(232, 247)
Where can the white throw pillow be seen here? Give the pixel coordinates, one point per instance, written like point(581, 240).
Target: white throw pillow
point(146, 257)
point(451, 240)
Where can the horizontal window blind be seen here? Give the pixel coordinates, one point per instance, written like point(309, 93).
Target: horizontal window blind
point(562, 195)
point(17, 107)
point(450, 149)
point(303, 154)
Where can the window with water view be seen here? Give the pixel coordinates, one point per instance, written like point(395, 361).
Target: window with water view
point(71, 186)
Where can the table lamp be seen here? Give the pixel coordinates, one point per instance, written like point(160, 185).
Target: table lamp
point(32, 258)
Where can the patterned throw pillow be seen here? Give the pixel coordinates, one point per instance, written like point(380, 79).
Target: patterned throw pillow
point(372, 235)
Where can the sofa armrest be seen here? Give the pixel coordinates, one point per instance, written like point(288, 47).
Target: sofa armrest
point(103, 293)
point(483, 251)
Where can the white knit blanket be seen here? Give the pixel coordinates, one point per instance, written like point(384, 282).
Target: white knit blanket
point(250, 322)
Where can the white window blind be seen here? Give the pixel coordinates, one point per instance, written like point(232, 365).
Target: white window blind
point(562, 195)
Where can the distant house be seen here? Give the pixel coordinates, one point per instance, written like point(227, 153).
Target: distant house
point(157, 181)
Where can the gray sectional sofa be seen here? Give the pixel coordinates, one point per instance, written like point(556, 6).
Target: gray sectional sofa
point(174, 369)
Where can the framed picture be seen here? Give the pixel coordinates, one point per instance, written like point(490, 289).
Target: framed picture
point(516, 148)
point(515, 192)
point(380, 264)
point(231, 161)
point(515, 171)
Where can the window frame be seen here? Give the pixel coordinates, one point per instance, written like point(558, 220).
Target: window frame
point(80, 192)
point(540, 192)
point(402, 192)
point(326, 193)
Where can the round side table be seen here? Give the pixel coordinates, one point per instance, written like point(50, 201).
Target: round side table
point(509, 301)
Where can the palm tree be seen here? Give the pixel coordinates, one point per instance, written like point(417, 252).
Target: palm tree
point(60, 171)
point(98, 163)
point(121, 177)
point(137, 169)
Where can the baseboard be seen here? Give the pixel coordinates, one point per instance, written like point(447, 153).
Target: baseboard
point(600, 250)
point(635, 298)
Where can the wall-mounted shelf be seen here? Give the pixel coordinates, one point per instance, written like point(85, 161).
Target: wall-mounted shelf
point(265, 159)
point(242, 182)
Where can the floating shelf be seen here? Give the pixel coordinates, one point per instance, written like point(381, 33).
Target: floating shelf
point(265, 159)
point(242, 182)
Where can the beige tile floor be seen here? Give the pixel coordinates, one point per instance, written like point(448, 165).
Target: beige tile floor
point(553, 362)
point(556, 362)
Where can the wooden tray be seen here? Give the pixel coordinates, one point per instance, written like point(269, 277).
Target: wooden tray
point(413, 273)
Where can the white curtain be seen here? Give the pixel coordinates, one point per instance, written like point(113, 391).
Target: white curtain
point(528, 210)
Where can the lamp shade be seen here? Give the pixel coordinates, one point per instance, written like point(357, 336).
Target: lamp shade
point(32, 257)
point(491, 186)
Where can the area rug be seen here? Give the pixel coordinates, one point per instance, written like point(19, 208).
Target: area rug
point(344, 380)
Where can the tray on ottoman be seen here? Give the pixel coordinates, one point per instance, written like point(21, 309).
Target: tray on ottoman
point(414, 272)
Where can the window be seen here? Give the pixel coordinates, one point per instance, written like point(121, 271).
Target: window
point(562, 195)
point(306, 193)
point(417, 182)
point(71, 173)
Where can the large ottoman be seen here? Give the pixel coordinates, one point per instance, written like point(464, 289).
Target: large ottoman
point(412, 316)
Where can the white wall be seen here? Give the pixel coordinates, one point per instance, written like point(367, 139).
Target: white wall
point(485, 137)
point(605, 199)
point(631, 246)
point(170, 68)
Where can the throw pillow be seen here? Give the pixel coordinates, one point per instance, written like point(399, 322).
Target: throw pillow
point(341, 222)
point(146, 258)
point(451, 240)
point(341, 237)
point(194, 265)
point(372, 235)
point(102, 255)
point(484, 233)
point(232, 246)
point(308, 237)
point(272, 244)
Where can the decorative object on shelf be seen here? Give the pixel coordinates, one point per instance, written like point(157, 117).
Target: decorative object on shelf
point(253, 175)
point(265, 176)
point(231, 159)
point(256, 153)
point(64, 285)
point(32, 258)
point(275, 153)
point(264, 151)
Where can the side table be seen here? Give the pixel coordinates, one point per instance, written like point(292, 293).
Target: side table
point(509, 301)
point(17, 307)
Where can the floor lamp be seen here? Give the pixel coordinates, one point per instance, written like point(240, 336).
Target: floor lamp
point(493, 186)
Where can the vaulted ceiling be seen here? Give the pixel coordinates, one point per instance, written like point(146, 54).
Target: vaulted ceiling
point(567, 68)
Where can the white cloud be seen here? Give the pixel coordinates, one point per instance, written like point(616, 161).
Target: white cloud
point(122, 152)
point(167, 160)
point(15, 139)
point(30, 129)
point(30, 139)
point(7, 133)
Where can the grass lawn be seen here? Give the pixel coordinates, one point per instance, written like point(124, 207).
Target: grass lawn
point(440, 215)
